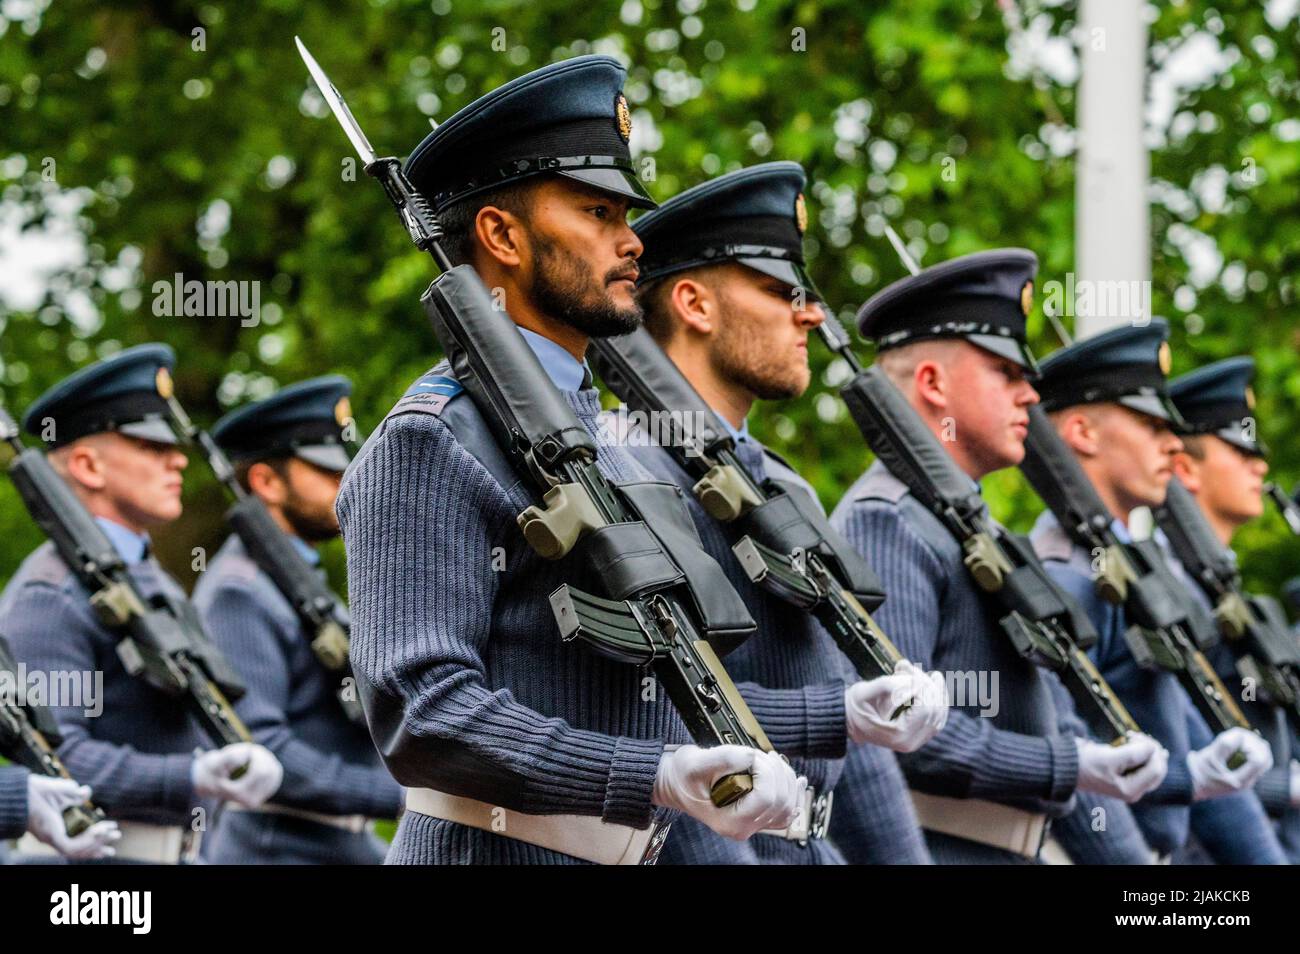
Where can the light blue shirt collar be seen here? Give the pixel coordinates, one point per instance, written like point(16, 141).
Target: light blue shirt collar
point(1121, 531)
point(566, 371)
point(305, 549)
point(131, 546)
point(737, 434)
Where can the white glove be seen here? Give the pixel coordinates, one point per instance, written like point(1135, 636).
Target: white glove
point(210, 773)
point(46, 799)
point(1295, 784)
point(1211, 776)
point(869, 704)
point(687, 775)
point(1126, 771)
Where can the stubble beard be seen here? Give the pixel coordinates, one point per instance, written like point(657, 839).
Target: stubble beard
point(310, 526)
point(563, 288)
point(741, 358)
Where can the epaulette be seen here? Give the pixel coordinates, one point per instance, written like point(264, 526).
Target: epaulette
point(881, 485)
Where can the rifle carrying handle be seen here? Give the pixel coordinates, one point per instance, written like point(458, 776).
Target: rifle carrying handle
point(731, 788)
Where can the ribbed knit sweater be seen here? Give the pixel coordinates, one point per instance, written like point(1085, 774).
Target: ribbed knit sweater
point(137, 754)
point(793, 677)
point(330, 765)
point(1233, 826)
point(13, 801)
point(468, 687)
point(939, 619)
point(1236, 829)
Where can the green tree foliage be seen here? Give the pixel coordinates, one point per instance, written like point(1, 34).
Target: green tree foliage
point(186, 138)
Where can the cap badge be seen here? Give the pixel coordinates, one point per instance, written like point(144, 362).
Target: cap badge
point(1250, 397)
point(343, 411)
point(162, 380)
point(1166, 358)
point(1027, 298)
point(623, 117)
point(800, 214)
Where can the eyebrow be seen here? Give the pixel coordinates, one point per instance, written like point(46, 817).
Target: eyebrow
point(595, 195)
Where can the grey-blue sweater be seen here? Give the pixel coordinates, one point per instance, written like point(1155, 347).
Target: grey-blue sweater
point(330, 765)
point(1232, 827)
point(137, 754)
point(13, 801)
point(467, 685)
point(940, 620)
point(792, 674)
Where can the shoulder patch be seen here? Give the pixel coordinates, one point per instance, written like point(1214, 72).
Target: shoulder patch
point(428, 395)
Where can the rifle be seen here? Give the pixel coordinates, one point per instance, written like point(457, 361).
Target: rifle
point(1044, 624)
point(319, 610)
point(161, 640)
point(1286, 506)
point(29, 736)
point(783, 541)
point(1254, 626)
point(665, 605)
point(1164, 630)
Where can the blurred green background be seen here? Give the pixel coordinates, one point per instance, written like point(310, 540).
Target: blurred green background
point(141, 140)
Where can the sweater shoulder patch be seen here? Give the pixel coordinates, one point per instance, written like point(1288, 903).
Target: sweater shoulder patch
point(428, 395)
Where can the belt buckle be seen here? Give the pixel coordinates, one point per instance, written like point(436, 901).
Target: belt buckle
point(820, 823)
point(191, 843)
point(1042, 839)
point(656, 844)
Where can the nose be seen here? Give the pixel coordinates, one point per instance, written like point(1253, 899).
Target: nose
point(1029, 395)
point(1260, 465)
point(629, 244)
point(1174, 445)
point(178, 461)
point(811, 315)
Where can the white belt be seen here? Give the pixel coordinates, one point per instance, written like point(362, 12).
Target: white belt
point(353, 823)
point(813, 820)
point(154, 844)
point(581, 836)
point(987, 823)
point(1054, 853)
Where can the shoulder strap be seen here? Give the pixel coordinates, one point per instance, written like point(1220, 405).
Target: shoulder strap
point(880, 484)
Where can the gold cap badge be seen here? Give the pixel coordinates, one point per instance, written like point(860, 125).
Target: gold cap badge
point(623, 117)
point(1166, 358)
point(800, 214)
point(162, 380)
point(343, 411)
point(1250, 397)
point(1027, 298)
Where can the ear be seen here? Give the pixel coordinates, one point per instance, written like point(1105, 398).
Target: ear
point(1081, 433)
point(1188, 471)
point(695, 305)
point(501, 236)
point(85, 465)
point(931, 383)
point(266, 482)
